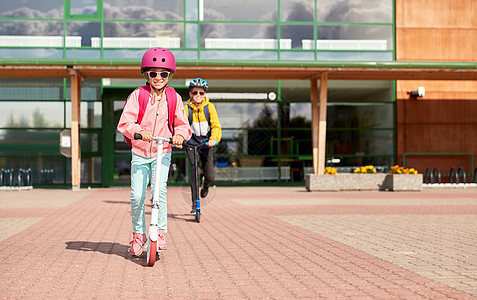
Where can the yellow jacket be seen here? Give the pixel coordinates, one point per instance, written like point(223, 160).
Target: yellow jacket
point(201, 130)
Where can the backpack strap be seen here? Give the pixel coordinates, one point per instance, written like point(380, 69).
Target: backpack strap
point(206, 113)
point(171, 97)
point(190, 115)
point(144, 92)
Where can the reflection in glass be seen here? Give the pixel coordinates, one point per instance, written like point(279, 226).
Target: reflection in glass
point(237, 31)
point(297, 33)
point(83, 7)
point(90, 114)
point(83, 54)
point(26, 114)
point(31, 29)
point(192, 36)
point(244, 10)
point(23, 89)
point(31, 53)
point(244, 115)
point(192, 10)
point(357, 32)
point(141, 35)
point(52, 9)
point(29, 140)
point(372, 11)
point(143, 10)
point(85, 30)
point(238, 55)
point(354, 56)
point(89, 142)
point(90, 89)
point(90, 170)
point(297, 10)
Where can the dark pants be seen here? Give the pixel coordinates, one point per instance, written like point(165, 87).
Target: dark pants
point(206, 160)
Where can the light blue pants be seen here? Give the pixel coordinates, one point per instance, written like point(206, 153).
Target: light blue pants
point(140, 169)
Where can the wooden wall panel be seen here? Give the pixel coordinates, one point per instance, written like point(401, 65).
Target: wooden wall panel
point(438, 126)
point(436, 44)
point(436, 13)
point(438, 89)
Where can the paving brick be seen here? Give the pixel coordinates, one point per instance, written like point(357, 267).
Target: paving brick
point(254, 242)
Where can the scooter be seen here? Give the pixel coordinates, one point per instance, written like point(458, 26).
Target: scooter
point(153, 232)
point(196, 173)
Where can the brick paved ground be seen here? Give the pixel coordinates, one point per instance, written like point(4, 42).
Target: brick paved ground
point(252, 243)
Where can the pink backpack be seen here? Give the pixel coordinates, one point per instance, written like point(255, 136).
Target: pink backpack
point(144, 92)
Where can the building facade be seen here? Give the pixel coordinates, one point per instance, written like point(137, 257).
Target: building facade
point(266, 121)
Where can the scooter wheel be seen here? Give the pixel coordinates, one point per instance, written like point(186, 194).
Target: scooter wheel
point(151, 253)
point(197, 216)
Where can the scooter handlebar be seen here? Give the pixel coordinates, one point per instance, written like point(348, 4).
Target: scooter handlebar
point(185, 144)
point(138, 136)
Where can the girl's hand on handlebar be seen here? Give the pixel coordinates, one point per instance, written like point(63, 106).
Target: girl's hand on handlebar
point(177, 140)
point(146, 135)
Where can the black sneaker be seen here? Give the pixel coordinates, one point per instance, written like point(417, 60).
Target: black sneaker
point(204, 192)
point(193, 210)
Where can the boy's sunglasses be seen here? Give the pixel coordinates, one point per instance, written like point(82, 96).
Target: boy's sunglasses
point(196, 92)
point(163, 74)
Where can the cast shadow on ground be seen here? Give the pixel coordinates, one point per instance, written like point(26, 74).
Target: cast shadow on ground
point(106, 248)
point(182, 217)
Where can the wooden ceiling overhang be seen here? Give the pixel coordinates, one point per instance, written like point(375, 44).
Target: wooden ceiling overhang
point(401, 72)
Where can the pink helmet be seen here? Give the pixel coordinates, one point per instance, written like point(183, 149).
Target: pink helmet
point(158, 58)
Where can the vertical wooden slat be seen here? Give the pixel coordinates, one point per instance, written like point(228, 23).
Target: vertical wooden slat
point(322, 122)
point(314, 121)
point(75, 129)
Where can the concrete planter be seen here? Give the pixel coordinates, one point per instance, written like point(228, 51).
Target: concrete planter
point(363, 182)
point(403, 182)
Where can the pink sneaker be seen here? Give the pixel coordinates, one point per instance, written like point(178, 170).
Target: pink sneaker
point(137, 244)
point(161, 240)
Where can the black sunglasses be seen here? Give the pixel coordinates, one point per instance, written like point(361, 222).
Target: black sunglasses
point(163, 74)
point(196, 92)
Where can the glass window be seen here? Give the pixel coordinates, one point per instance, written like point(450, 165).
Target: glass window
point(16, 141)
point(297, 55)
point(360, 115)
point(192, 10)
point(297, 33)
point(31, 33)
point(238, 36)
point(297, 10)
point(238, 55)
point(32, 114)
point(244, 115)
point(83, 31)
point(192, 36)
point(83, 7)
point(244, 10)
point(52, 9)
point(354, 37)
point(90, 170)
point(143, 10)
point(31, 53)
point(90, 89)
point(354, 56)
point(83, 54)
point(375, 11)
point(141, 35)
point(90, 114)
point(25, 89)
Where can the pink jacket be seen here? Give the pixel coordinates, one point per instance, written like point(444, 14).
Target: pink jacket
point(154, 120)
